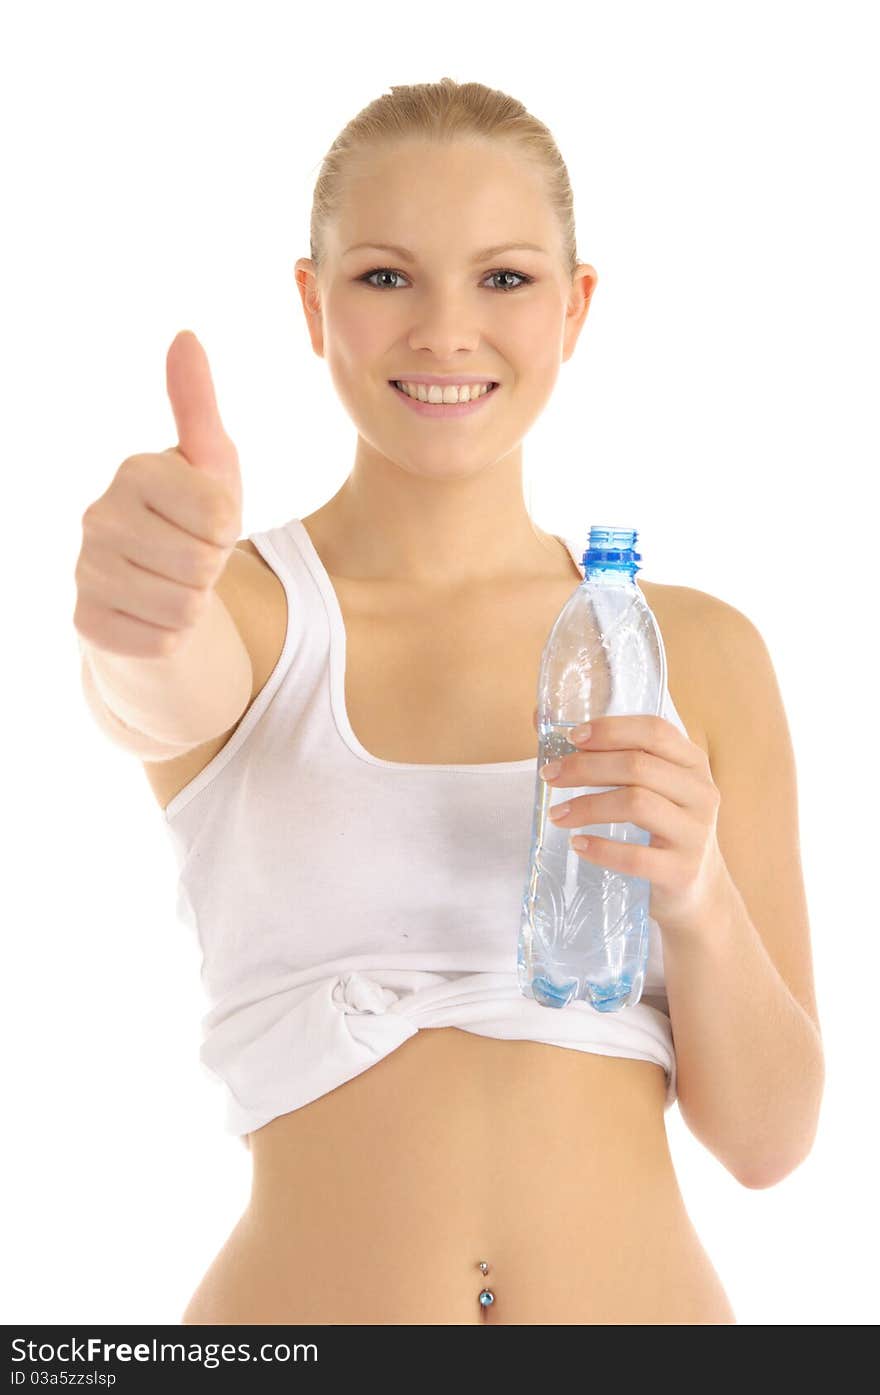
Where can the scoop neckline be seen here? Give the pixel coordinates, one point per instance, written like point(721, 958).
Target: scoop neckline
point(338, 662)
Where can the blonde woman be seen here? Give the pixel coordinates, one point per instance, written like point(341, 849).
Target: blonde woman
point(337, 718)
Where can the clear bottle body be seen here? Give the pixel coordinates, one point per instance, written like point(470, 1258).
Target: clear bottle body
point(584, 932)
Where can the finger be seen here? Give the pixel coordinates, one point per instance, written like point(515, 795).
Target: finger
point(633, 859)
point(602, 770)
point(656, 735)
point(668, 824)
point(201, 435)
point(202, 509)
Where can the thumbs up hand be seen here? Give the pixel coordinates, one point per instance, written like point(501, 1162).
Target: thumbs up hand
point(157, 540)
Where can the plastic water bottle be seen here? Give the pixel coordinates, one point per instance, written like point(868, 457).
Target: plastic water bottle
point(584, 930)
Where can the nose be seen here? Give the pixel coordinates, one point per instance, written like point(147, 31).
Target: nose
point(446, 325)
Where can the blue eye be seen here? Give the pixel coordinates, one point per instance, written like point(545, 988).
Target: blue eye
point(386, 270)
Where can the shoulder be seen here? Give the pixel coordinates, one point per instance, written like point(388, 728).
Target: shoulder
point(250, 567)
point(246, 562)
point(720, 632)
point(254, 596)
point(711, 625)
point(246, 577)
point(714, 652)
point(692, 605)
point(246, 546)
point(255, 599)
point(730, 669)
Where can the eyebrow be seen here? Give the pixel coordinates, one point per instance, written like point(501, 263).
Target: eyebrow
point(405, 255)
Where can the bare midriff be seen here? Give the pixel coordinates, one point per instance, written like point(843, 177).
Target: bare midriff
point(376, 1202)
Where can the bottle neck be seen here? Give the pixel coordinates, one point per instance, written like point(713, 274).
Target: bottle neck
point(608, 575)
point(611, 557)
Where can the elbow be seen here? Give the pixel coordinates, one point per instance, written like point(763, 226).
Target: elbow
point(771, 1171)
point(760, 1180)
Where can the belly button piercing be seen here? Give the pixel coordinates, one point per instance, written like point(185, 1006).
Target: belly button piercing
point(487, 1297)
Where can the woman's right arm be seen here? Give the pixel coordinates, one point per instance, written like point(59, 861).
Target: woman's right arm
point(164, 667)
point(161, 708)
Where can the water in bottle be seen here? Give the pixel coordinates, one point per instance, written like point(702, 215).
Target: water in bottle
point(584, 931)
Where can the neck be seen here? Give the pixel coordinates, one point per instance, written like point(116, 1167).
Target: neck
point(386, 524)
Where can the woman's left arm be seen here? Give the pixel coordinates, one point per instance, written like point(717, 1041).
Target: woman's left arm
point(739, 983)
point(726, 888)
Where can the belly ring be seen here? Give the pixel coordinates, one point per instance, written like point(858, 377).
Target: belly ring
point(487, 1297)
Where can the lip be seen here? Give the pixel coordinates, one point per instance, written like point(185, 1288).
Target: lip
point(444, 409)
point(441, 380)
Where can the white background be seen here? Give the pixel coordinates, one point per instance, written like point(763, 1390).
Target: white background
point(159, 162)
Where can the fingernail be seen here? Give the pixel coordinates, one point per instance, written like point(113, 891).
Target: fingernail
point(580, 733)
point(552, 768)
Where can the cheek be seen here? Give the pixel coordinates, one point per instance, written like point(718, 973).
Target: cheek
point(354, 339)
point(547, 323)
point(535, 333)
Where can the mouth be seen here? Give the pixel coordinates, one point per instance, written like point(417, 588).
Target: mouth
point(443, 409)
point(395, 382)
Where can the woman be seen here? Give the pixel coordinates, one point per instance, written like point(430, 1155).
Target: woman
point(428, 1145)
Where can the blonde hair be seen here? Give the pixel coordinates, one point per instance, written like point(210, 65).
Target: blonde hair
point(443, 112)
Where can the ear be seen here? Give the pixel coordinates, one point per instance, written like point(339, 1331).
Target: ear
point(583, 285)
point(306, 282)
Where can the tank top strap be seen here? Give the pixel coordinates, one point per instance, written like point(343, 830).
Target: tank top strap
point(308, 629)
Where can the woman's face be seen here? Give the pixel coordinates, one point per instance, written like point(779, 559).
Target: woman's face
point(444, 310)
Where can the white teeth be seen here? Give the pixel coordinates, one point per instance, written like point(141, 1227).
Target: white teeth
point(423, 393)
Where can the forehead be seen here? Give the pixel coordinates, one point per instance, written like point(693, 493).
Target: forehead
point(433, 198)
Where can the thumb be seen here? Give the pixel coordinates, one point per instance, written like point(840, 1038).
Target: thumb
point(202, 439)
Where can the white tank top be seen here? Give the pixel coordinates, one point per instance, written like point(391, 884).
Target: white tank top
point(343, 903)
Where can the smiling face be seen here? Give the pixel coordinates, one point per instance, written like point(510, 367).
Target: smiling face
point(433, 306)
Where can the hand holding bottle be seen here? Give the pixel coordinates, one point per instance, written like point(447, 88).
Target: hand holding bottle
point(663, 783)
